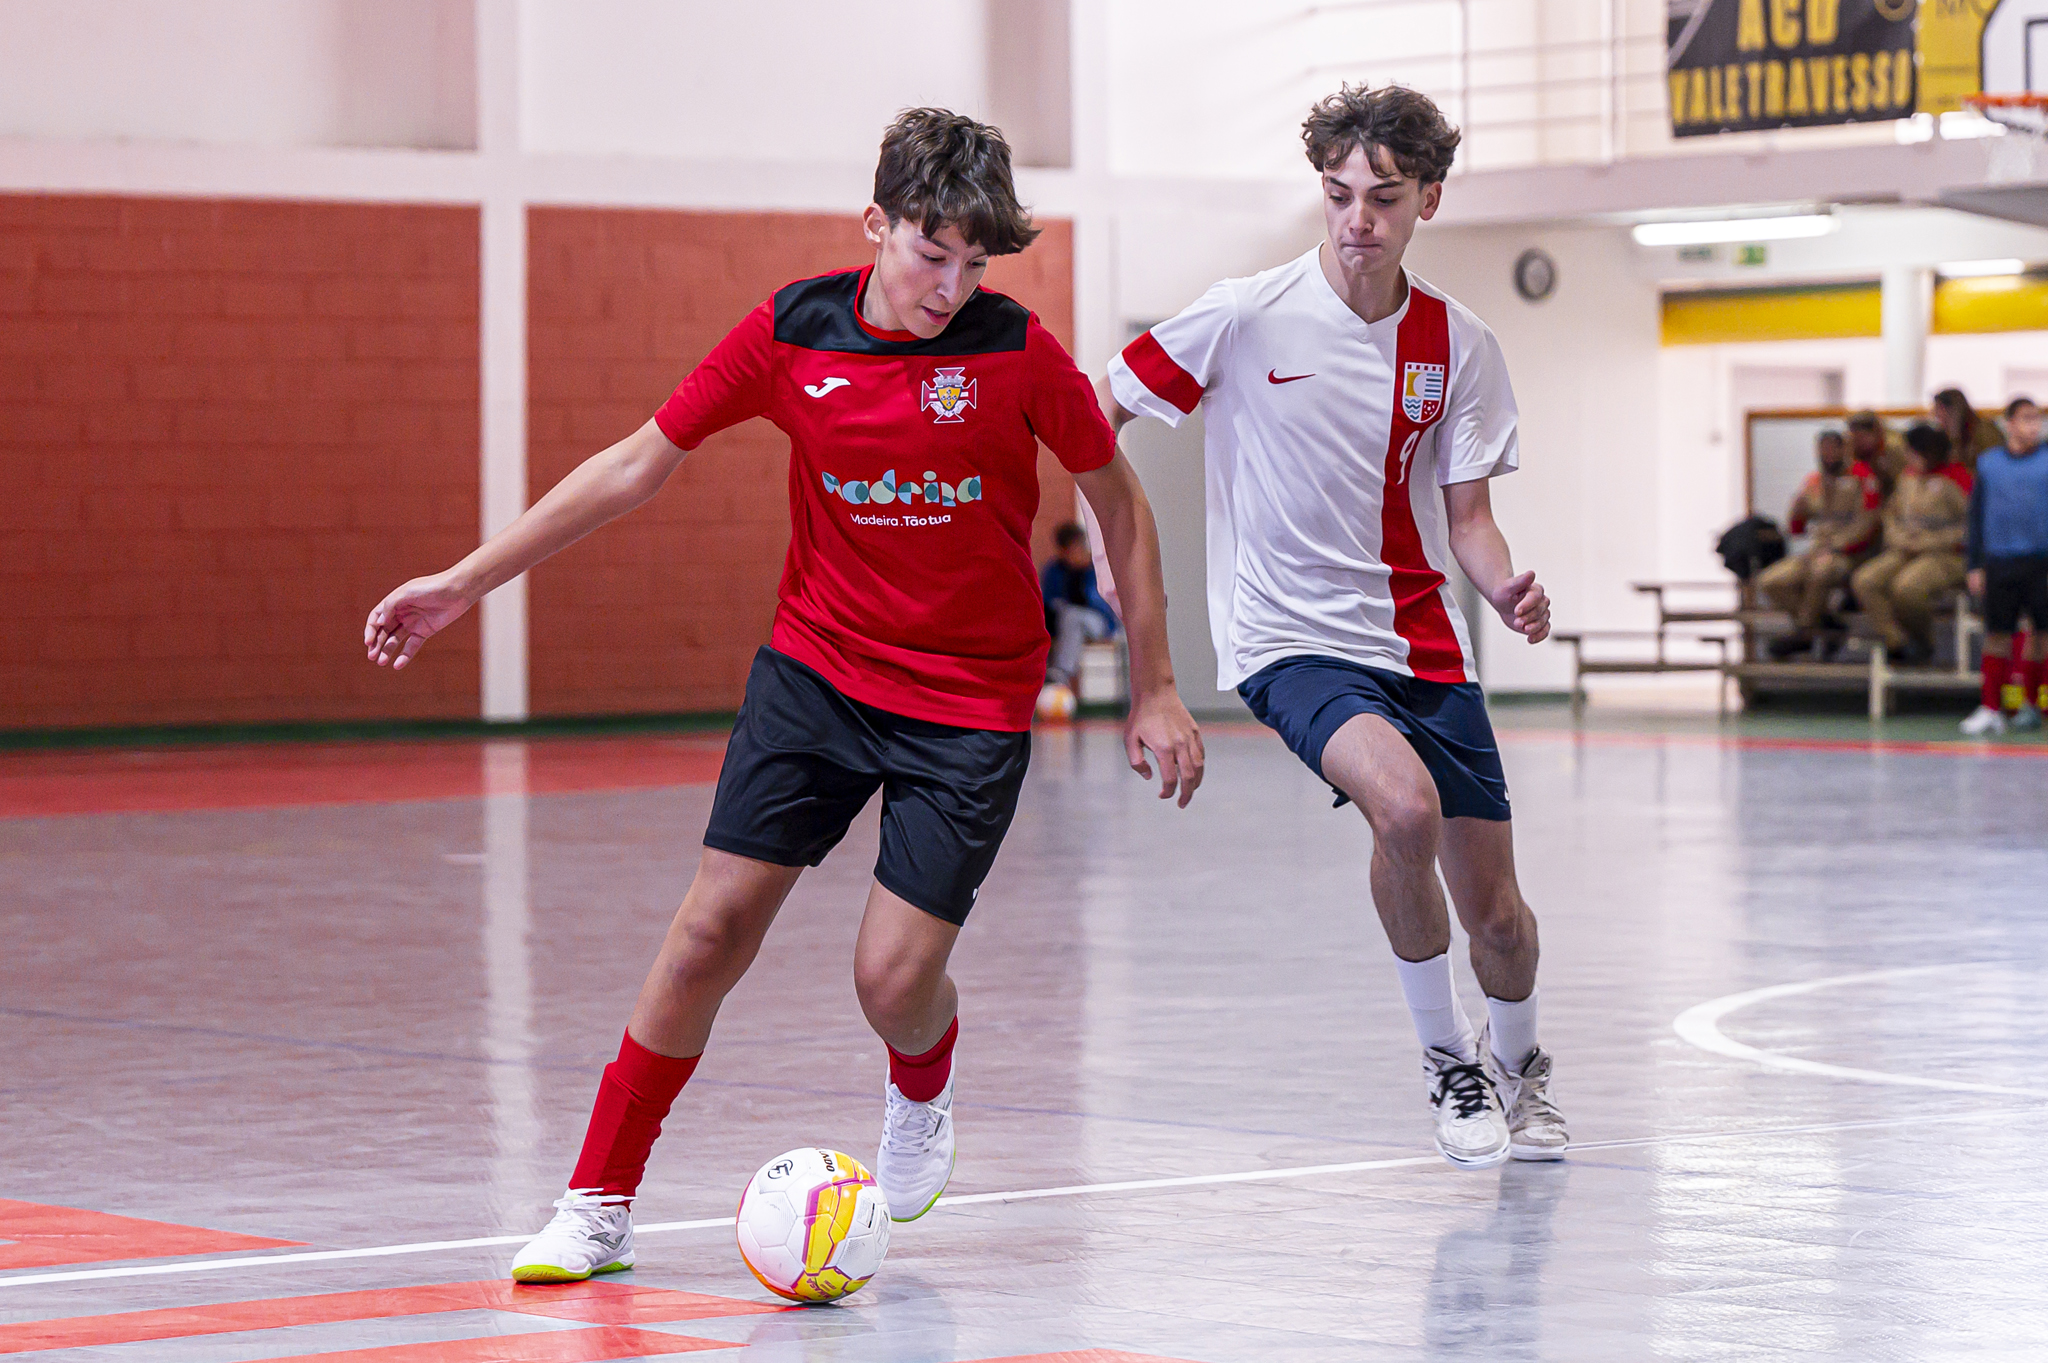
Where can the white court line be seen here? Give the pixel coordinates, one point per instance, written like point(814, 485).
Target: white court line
point(969, 1199)
point(1700, 1025)
point(1192, 1180)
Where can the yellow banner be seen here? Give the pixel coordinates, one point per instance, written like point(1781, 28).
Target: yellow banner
point(1951, 52)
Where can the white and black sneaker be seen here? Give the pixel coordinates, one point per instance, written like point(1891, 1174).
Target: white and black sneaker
point(1536, 1128)
point(915, 1162)
point(1983, 722)
point(1471, 1128)
point(591, 1233)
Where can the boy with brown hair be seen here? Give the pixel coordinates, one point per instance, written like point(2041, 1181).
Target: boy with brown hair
point(908, 649)
point(1355, 416)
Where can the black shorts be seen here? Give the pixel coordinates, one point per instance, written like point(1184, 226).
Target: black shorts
point(804, 759)
point(2014, 587)
point(1307, 699)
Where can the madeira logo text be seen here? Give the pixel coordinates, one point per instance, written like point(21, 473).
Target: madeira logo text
point(884, 490)
point(948, 396)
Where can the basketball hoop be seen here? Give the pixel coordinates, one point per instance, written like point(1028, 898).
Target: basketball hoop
point(2014, 158)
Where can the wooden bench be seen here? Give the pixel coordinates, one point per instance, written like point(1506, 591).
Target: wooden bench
point(1751, 627)
point(1660, 638)
point(1878, 676)
point(1583, 667)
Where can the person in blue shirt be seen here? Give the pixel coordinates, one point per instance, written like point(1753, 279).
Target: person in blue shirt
point(1075, 613)
point(2008, 561)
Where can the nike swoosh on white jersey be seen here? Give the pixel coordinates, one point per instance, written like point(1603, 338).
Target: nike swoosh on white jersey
point(818, 390)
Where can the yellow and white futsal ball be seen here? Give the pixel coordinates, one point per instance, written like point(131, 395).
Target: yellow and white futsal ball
point(1056, 703)
point(813, 1225)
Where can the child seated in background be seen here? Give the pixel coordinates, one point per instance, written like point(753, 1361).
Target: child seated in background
point(1926, 524)
point(1075, 613)
point(2008, 562)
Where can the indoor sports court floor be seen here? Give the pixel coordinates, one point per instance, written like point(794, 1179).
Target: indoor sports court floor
point(301, 1039)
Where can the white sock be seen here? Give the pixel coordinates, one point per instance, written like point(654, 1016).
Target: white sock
point(1440, 1019)
point(1511, 1031)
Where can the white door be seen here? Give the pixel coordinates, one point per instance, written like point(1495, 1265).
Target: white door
point(1776, 470)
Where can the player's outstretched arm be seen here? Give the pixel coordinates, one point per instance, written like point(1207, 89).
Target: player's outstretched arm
point(1482, 551)
point(1158, 720)
point(602, 488)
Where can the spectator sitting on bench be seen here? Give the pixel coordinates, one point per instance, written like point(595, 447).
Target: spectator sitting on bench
point(2009, 566)
point(1075, 613)
point(1926, 525)
point(1969, 435)
point(1877, 449)
point(1837, 507)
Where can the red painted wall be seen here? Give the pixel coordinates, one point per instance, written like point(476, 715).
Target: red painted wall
point(663, 610)
point(226, 429)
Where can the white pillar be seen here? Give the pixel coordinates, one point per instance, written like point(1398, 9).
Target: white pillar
point(502, 346)
point(1096, 310)
point(1908, 316)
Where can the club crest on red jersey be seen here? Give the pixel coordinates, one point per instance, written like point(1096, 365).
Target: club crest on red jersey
point(1422, 392)
point(950, 393)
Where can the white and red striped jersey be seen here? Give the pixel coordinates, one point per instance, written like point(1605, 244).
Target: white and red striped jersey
point(1329, 439)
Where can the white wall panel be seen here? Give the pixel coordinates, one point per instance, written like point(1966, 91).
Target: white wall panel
point(271, 73)
point(774, 80)
point(1582, 509)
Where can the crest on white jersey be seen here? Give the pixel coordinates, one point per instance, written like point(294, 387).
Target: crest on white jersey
point(1422, 392)
point(950, 393)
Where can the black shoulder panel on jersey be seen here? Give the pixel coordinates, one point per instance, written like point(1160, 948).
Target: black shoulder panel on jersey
point(818, 314)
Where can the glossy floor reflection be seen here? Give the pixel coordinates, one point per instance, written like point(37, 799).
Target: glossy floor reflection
point(356, 1024)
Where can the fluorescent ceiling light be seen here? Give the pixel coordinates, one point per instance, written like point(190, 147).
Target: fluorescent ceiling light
point(1733, 229)
point(1964, 269)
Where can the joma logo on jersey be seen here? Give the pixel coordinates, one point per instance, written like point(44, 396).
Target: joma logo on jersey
point(884, 490)
point(948, 396)
point(1422, 392)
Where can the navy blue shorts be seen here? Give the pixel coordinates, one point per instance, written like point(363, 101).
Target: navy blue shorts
point(1306, 700)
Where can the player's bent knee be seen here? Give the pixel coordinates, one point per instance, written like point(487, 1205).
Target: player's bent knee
point(896, 991)
point(710, 952)
point(1408, 827)
point(885, 986)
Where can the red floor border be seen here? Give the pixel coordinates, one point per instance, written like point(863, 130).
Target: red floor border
point(609, 1304)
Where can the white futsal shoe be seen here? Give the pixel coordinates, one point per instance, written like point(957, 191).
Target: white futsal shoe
point(590, 1234)
point(915, 1162)
point(1983, 722)
point(1471, 1128)
point(1535, 1126)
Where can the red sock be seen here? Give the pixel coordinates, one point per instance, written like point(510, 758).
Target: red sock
point(635, 1094)
point(920, 1078)
point(1996, 670)
point(2030, 681)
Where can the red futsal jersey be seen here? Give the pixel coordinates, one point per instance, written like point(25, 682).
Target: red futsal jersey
point(913, 479)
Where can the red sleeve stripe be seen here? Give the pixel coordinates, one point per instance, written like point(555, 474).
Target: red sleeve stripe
point(1157, 371)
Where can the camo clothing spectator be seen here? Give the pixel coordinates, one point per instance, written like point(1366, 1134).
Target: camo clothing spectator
point(1926, 526)
point(1837, 508)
